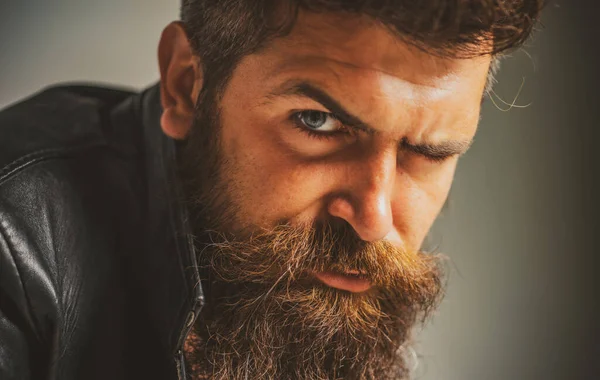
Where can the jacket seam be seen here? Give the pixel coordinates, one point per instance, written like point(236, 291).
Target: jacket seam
point(34, 157)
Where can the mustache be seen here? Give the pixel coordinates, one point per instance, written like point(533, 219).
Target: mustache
point(286, 254)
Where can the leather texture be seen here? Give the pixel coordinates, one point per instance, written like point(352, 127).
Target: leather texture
point(98, 277)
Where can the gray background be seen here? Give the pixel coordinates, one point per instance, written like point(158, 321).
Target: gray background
point(520, 228)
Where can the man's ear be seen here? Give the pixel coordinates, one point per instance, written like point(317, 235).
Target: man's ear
point(180, 81)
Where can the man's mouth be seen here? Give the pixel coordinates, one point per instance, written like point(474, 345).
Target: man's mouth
point(350, 281)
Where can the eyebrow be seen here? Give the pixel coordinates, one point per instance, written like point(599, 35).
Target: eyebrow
point(443, 149)
point(309, 90)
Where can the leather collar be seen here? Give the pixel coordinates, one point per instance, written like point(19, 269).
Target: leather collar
point(168, 268)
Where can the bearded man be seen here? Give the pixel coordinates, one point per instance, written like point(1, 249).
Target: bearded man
point(260, 213)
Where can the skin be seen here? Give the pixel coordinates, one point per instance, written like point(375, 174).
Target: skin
point(371, 178)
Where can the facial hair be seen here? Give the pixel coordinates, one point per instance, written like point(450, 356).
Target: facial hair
point(266, 317)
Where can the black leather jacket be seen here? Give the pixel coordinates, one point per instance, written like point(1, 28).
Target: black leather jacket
point(97, 268)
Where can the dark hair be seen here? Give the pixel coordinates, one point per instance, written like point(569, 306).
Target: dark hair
point(224, 31)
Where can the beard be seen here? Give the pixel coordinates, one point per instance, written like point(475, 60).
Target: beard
point(266, 317)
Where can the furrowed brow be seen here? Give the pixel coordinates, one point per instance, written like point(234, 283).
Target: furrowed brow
point(309, 90)
point(304, 88)
point(443, 149)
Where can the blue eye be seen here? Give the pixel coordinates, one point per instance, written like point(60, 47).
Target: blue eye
point(318, 121)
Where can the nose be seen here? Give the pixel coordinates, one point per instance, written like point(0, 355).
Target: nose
point(365, 201)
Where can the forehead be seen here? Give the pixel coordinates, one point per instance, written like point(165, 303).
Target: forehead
point(372, 71)
point(361, 43)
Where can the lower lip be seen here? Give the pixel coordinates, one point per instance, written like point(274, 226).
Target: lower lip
point(344, 282)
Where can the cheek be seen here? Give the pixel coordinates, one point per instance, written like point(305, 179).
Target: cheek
point(418, 201)
point(268, 183)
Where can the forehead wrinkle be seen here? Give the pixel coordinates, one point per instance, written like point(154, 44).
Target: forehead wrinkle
point(403, 90)
point(416, 94)
point(295, 62)
point(374, 49)
point(359, 43)
point(388, 86)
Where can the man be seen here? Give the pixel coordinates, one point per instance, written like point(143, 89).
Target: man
point(260, 213)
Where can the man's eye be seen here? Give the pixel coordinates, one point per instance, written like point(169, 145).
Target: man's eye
point(318, 121)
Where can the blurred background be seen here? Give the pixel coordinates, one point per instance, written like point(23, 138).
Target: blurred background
point(522, 298)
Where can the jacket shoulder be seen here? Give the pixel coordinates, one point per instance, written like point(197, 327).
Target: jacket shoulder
point(68, 216)
point(54, 122)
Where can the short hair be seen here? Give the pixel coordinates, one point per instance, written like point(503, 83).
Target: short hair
point(222, 32)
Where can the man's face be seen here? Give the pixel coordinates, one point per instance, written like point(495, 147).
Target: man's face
point(335, 151)
point(388, 170)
